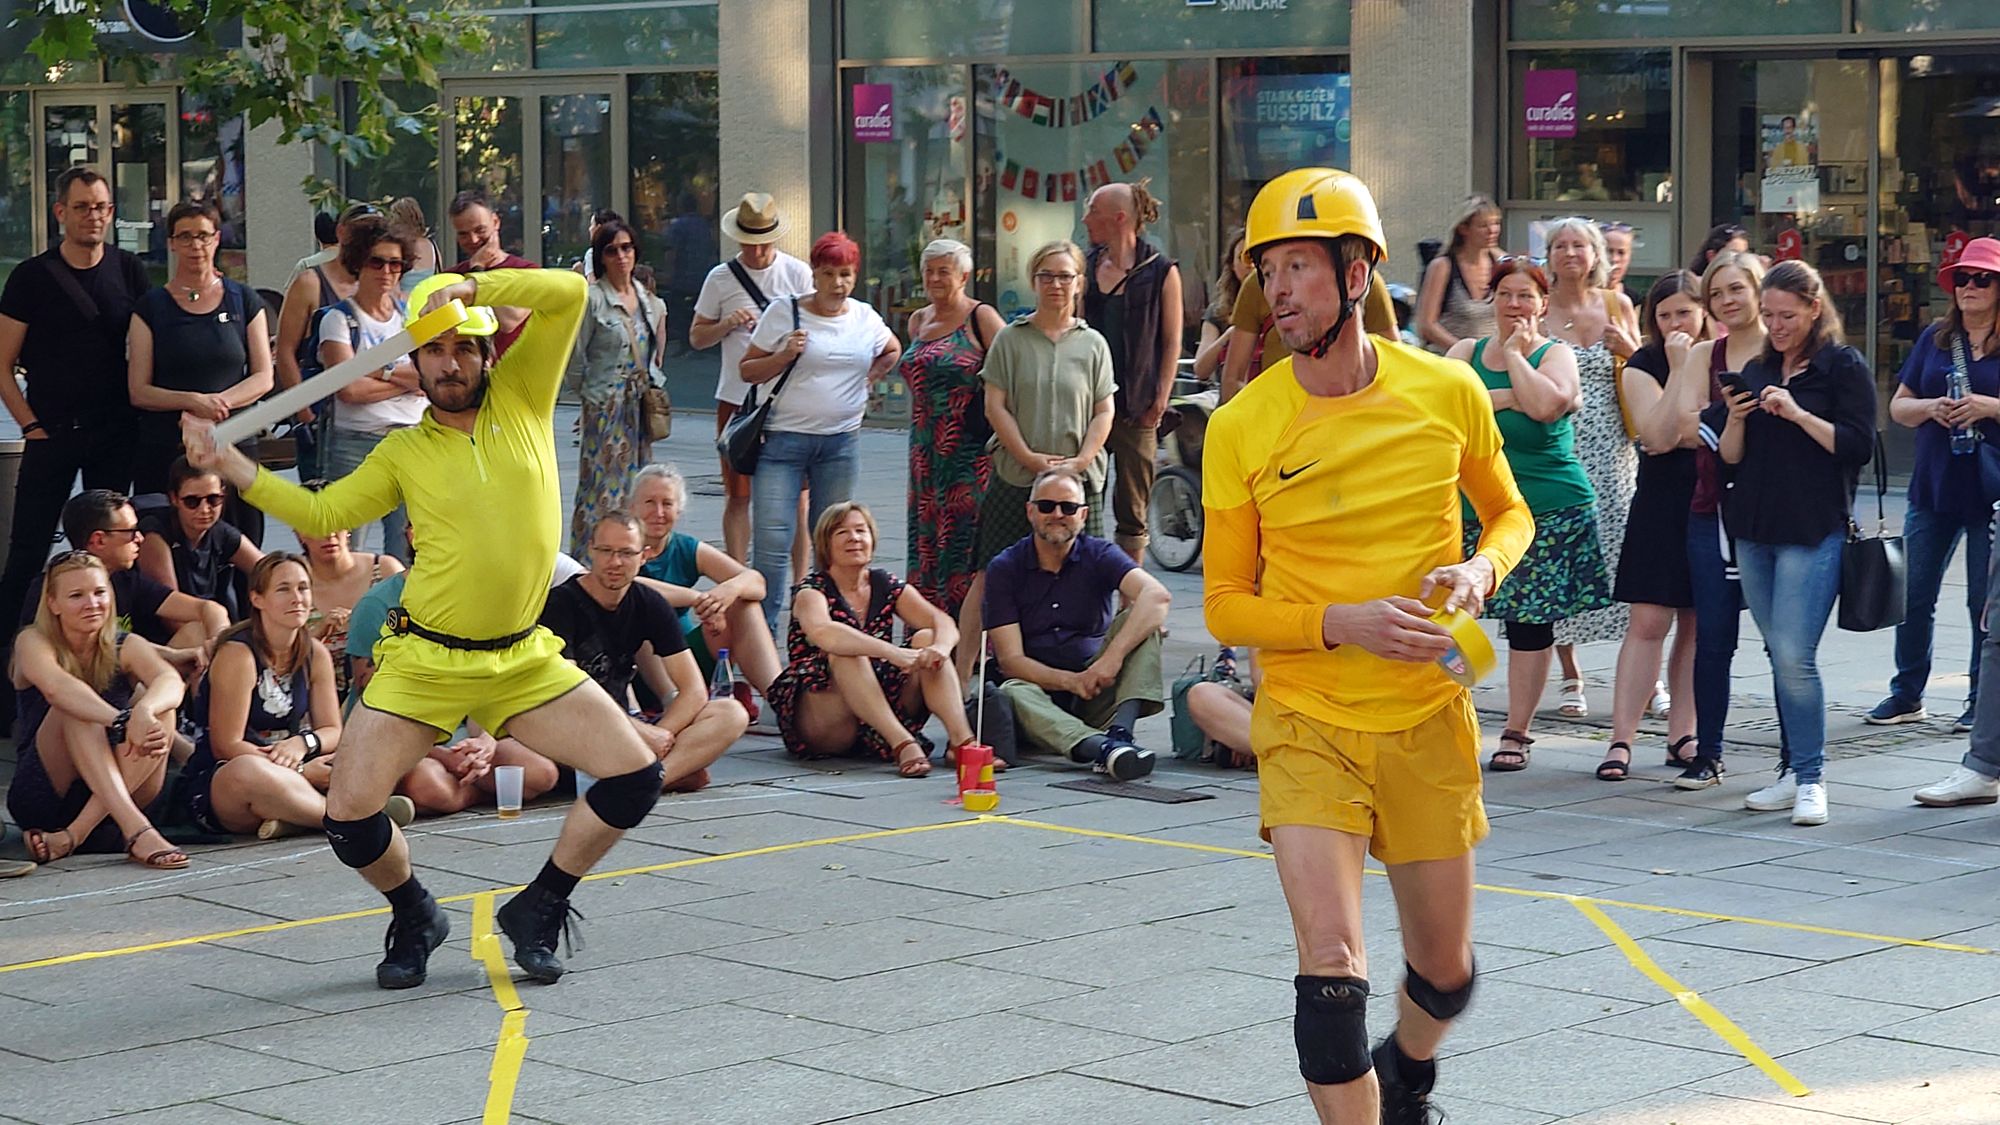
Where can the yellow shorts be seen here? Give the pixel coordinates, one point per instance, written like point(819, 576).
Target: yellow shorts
point(440, 687)
point(1413, 793)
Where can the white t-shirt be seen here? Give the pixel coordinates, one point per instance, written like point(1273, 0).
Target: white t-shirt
point(828, 390)
point(721, 295)
point(369, 417)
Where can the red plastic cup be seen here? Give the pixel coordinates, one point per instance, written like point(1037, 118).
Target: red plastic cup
point(975, 762)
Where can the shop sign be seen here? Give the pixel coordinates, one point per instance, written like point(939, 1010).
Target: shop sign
point(1549, 104)
point(874, 112)
point(1242, 5)
point(1791, 245)
point(1954, 246)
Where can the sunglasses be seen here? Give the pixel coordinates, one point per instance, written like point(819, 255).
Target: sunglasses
point(194, 503)
point(393, 265)
point(1977, 279)
point(1066, 507)
point(130, 534)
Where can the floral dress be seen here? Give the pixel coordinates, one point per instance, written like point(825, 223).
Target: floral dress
point(806, 668)
point(611, 367)
point(949, 472)
point(1612, 464)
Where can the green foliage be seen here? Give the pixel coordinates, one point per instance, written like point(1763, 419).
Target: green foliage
point(293, 56)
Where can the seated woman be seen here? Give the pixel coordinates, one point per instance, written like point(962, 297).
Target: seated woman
point(339, 578)
point(1221, 709)
point(848, 684)
point(96, 718)
point(730, 612)
point(264, 762)
point(189, 547)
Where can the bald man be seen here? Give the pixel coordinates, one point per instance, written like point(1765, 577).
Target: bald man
point(1132, 297)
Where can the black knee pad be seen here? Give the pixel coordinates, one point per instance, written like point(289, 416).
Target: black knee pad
point(1331, 1029)
point(623, 801)
point(1439, 1004)
point(359, 843)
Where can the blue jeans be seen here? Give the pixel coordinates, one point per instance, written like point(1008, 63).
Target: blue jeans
point(344, 452)
point(827, 463)
point(1718, 609)
point(1791, 590)
point(1983, 756)
point(1929, 540)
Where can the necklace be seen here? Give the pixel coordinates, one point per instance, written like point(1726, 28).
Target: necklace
point(194, 294)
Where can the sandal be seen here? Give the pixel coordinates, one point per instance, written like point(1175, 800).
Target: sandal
point(1674, 759)
point(1613, 769)
point(1574, 705)
point(169, 858)
point(1511, 761)
point(38, 844)
point(918, 766)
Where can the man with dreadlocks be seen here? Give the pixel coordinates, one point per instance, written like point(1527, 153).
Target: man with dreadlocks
point(1331, 486)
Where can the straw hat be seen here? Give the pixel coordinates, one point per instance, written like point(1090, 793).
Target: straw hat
point(754, 221)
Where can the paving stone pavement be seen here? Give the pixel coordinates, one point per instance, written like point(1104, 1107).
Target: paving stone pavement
point(882, 957)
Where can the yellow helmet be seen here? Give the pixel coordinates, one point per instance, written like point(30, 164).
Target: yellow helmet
point(1313, 203)
point(479, 319)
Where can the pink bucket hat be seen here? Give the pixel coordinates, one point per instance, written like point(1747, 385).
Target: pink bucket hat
point(1980, 254)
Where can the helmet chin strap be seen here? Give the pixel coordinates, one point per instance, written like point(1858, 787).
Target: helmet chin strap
point(1324, 344)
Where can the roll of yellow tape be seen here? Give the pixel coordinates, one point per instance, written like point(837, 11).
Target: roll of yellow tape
point(1470, 658)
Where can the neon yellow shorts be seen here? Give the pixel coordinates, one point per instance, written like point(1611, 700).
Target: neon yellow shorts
point(440, 687)
point(1413, 793)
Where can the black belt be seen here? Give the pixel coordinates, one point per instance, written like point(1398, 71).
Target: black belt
point(401, 624)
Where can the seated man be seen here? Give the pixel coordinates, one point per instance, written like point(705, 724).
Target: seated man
point(615, 628)
point(1078, 678)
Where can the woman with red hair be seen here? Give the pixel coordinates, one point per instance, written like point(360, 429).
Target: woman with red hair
point(818, 351)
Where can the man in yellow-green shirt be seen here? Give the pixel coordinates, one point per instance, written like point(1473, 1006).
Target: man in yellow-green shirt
point(465, 641)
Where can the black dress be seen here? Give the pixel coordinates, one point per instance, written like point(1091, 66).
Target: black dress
point(280, 707)
point(32, 799)
point(1653, 564)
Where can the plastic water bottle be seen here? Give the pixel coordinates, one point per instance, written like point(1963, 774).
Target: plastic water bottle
point(722, 684)
point(1963, 440)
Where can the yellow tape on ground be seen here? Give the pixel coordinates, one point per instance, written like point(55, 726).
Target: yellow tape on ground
point(1721, 1025)
point(512, 1047)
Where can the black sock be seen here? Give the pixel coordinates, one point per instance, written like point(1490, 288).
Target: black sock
point(408, 898)
point(1127, 715)
point(1418, 1076)
point(555, 880)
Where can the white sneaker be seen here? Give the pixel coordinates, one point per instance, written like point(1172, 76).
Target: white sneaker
point(1775, 797)
point(1810, 808)
point(1662, 702)
point(1963, 787)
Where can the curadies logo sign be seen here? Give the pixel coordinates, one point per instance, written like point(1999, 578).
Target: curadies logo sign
point(874, 112)
point(1549, 104)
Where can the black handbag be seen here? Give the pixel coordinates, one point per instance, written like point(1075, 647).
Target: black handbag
point(742, 440)
point(1873, 576)
point(974, 429)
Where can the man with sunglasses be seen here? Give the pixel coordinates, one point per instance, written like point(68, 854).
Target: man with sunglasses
point(1331, 490)
point(1078, 677)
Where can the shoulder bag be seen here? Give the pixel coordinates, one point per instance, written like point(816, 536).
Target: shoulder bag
point(656, 409)
point(742, 440)
point(974, 429)
point(1873, 576)
point(755, 294)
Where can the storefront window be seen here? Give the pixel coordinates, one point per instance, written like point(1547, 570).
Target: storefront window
point(410, 164)
point(1279, 114)
point(909, 187)
point(1582, 19)
point(671, 125)
point(1592, 126)
point(212, 172)
point(1174, 25)
point(1925, 15)
point(926, 29)
point(486, 131)
point(633, 37)
point(18, 197)
point(506, 45)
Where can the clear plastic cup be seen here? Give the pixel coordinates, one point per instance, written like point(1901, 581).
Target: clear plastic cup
point(507, 790)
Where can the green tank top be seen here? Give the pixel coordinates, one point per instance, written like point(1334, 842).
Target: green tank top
point(1542, 454)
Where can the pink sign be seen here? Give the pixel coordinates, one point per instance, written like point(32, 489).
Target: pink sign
point(1549, 104)
point(874, 112)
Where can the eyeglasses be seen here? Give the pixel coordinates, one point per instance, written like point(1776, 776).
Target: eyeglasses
point(393, 265)
point(194, 238)
point(130, 534)
point(621, 248)
point(195, 503)
point(1977, 279)
point(1047, 278)
point(90, 208)
point(1067, 507)
point(1615, 228)
point(622, 554)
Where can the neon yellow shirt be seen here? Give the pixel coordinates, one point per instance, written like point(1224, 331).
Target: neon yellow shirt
point(1312, 500)
point(486, 509)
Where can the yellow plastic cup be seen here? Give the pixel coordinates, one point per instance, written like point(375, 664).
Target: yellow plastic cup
point(1470, 658)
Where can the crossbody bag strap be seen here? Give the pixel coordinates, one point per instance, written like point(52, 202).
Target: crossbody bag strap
point(786, 376)
point(73, 289)
point(750, 287)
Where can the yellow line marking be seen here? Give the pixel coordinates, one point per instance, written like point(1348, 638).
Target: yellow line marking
point(1524, 892)
point(1701, 1009)
point(513, 1043)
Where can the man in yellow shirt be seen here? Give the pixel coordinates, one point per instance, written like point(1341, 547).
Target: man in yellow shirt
point(465, 641)
point(1331, 486)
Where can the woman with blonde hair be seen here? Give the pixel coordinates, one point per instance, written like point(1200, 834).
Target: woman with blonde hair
point(96, 720)
point(1455, 301)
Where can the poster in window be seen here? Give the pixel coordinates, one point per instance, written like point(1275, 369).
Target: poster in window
point(1791, 165)
point(1286, 121)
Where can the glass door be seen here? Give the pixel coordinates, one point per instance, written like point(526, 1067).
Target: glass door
point(127, 140)
point(544, 156)
point(576, 172)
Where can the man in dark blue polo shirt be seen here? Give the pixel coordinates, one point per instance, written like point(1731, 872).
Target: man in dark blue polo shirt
point(1077, 676)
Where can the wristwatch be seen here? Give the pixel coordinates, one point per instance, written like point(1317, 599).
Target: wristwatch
point(313, 747)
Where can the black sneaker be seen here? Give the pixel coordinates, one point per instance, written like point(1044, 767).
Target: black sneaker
point(1700, 774)
point(1400, 1104)
point(1892, 711)
point(408, 944)
point(1120, 759)
point(533, 920)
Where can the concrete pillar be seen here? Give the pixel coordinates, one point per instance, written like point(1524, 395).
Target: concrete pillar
point(775, 79)
point(1415, 64)
point(279, 217)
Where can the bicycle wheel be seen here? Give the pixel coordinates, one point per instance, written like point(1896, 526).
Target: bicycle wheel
point(1174, 518)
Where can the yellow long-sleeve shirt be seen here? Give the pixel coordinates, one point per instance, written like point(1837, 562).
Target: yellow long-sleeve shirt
point(1314, 500)
point(486, 508)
